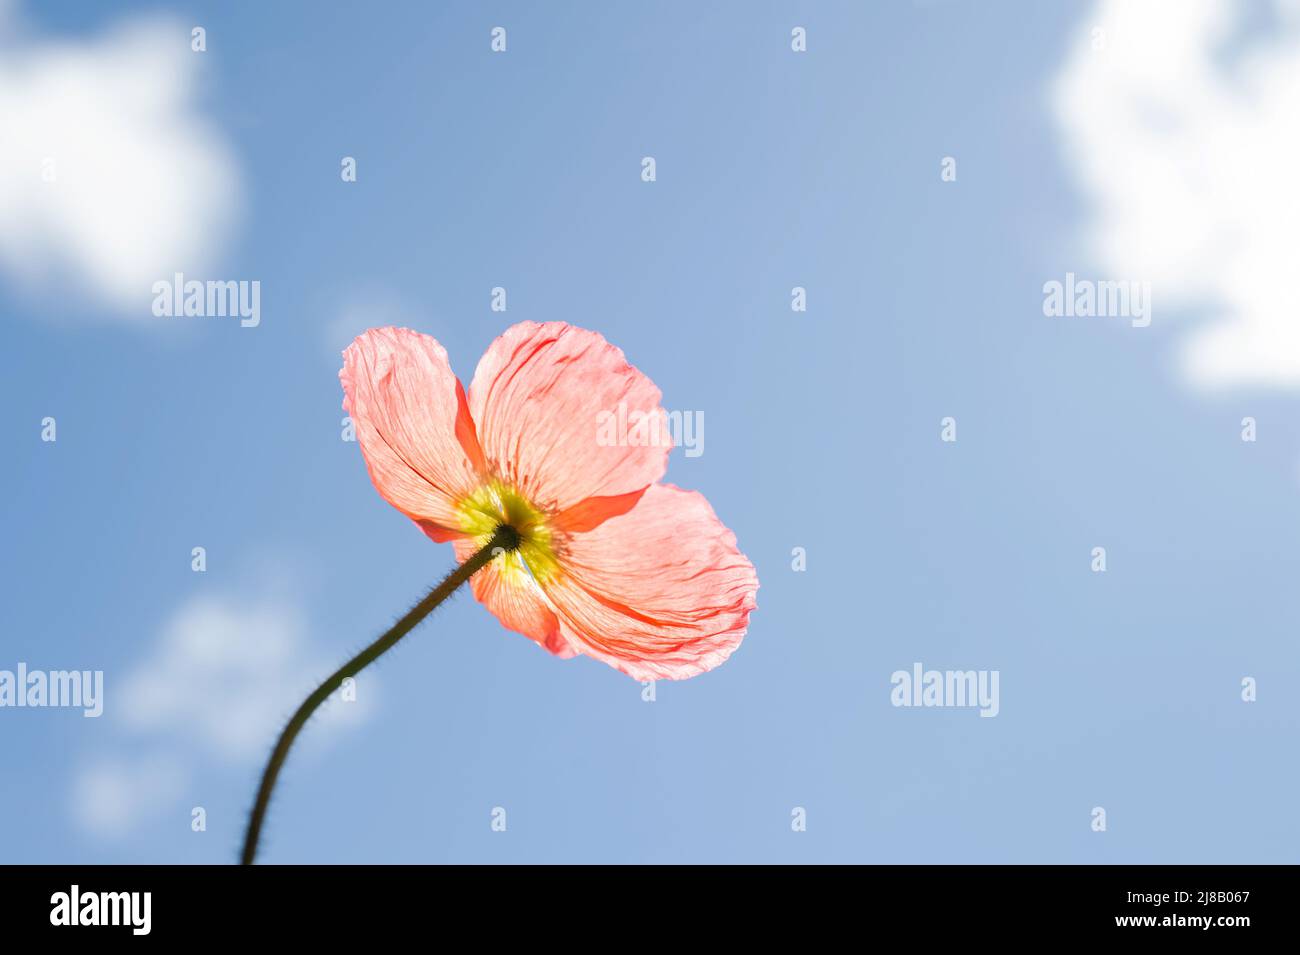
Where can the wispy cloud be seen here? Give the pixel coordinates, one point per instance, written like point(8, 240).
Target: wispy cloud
point(217, 685)
point(228, 670)
point(367, 309)
point(113, 794)
point(1179, 123)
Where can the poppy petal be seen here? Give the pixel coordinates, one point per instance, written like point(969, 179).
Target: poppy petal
point(412, 422)
point(509, 592)
point(658, 592)
point(562, 417)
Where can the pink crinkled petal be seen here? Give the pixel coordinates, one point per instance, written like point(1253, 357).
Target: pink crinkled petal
point(412, 422)
point(505, 588)
point(658, 592)
point(537, 400)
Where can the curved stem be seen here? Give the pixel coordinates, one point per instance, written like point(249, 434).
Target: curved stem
point(504, 539)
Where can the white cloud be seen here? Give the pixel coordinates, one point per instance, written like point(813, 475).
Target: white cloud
point(1181, 129)
point(363, 310)
point(230, 673)
point(142, 184)
point(218, 684)
point(112, 795)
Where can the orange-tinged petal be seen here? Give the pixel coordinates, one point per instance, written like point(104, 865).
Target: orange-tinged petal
point(592, 512)
point(542, 400)
point(509, 592)
point(412, 422)
point(659, 592)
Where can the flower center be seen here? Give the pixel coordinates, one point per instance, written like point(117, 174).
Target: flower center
point(494, 504)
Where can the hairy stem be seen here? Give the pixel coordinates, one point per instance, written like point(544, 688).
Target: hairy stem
point(504, 539)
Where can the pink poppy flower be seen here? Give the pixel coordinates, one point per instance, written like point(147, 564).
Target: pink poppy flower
point(610, 563)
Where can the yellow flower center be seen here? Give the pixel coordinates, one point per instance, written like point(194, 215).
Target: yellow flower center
point(494, 504)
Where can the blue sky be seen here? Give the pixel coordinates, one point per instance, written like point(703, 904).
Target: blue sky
point(775, 169)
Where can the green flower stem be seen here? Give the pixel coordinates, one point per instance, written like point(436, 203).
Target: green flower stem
point(505, 539)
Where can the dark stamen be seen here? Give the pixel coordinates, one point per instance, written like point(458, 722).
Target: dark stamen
point(507, 537)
